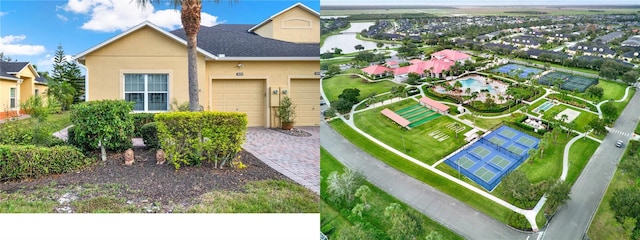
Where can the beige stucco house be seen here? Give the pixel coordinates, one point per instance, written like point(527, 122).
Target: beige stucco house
point(18, 82)
point(244, 68)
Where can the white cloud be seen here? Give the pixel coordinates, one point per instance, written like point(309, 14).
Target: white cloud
point(3, 13)
point(62, 17)
point(119, 15)
point(9, 46)
point(46, 64)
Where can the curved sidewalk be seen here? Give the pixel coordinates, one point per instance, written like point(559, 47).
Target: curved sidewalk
point(446, 210)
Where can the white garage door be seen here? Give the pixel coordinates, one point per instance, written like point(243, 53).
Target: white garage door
point(305, 93)
point(241, 95)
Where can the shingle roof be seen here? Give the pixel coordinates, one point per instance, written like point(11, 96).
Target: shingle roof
point(233, 40)
point(42, 80)
point(11, 67)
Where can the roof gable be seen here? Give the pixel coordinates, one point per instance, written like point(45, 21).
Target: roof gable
point(9, 70)
point(256, 27)
point(81, 55)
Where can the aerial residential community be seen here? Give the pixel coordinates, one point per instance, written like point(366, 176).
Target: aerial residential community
point(480, 122)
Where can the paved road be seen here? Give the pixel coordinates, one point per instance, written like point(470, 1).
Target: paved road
point(444, 209)
point(573, 219)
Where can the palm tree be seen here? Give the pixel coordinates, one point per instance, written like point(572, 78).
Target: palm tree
point(190, 14)
point(456, 125)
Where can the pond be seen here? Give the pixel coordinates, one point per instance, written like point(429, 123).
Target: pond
point(347, 40)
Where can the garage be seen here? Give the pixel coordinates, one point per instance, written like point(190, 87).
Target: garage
point(305, 94)
point(241, 95)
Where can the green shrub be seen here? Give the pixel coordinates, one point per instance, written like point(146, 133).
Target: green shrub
point(106, 120)
point(20, 162)
point(518, 221)
point(35, 107)
point(149, 134)
point(139, 120)
point(188, 138)
point(39, 133)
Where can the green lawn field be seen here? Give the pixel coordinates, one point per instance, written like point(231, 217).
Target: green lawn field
point(415, 142)
point(333, 87)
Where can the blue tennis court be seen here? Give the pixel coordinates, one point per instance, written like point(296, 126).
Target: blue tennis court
point(493, 156)
point(512, 70)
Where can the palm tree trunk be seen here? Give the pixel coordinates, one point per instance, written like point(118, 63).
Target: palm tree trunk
point(190, 16)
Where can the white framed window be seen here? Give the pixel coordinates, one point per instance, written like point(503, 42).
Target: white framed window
point(12, 97)
point(149, 92)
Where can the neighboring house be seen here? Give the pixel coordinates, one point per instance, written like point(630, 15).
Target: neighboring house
point(633, 41)
point(633, 56)
point(18, 82)
point(597, 50)
point(526, 41)
point(377, 71)
point(608, 37)
point(243, 68)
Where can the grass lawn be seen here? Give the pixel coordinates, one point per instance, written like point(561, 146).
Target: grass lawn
point(488, 123)
point(57, 121)
point(604, 224)
point(621, 105)
point(258, 197)
point(550, 165)
point(333, 86)
point(474, 200)
point(581, 121)
point(378, 201)
point(579, 155)
point(415, 142)
point(612, 90)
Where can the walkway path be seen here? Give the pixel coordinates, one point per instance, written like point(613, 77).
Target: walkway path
point(296, 157)
point(572, 220)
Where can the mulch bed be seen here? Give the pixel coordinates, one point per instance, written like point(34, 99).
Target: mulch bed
point(296, 132)
point(156, 183)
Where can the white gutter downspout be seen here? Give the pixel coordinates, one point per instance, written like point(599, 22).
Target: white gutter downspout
point(86, 81)
point(17, 98)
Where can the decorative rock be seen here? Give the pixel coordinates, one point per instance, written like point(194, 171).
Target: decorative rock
point(160, 157)
point(128, 157)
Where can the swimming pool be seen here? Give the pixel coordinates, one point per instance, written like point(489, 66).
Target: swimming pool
point(476, 85)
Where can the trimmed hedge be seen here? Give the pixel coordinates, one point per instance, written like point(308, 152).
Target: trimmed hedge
point(139, 120)
point(38, 133)
point(149, 134)
point(106, 120)
point(188, 138)
point(20, 162)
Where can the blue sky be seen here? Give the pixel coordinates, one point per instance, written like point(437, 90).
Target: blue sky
point(31, 30)
point(480, 2)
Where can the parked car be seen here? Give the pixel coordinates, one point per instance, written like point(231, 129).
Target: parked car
point(619, 143)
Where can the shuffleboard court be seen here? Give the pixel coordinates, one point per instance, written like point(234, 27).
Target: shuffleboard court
point(508, 133)
point(481, 151)
point(526, 141)
point(497, 141)
point(484, 173)
point(515, 149)
point(500, 162)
